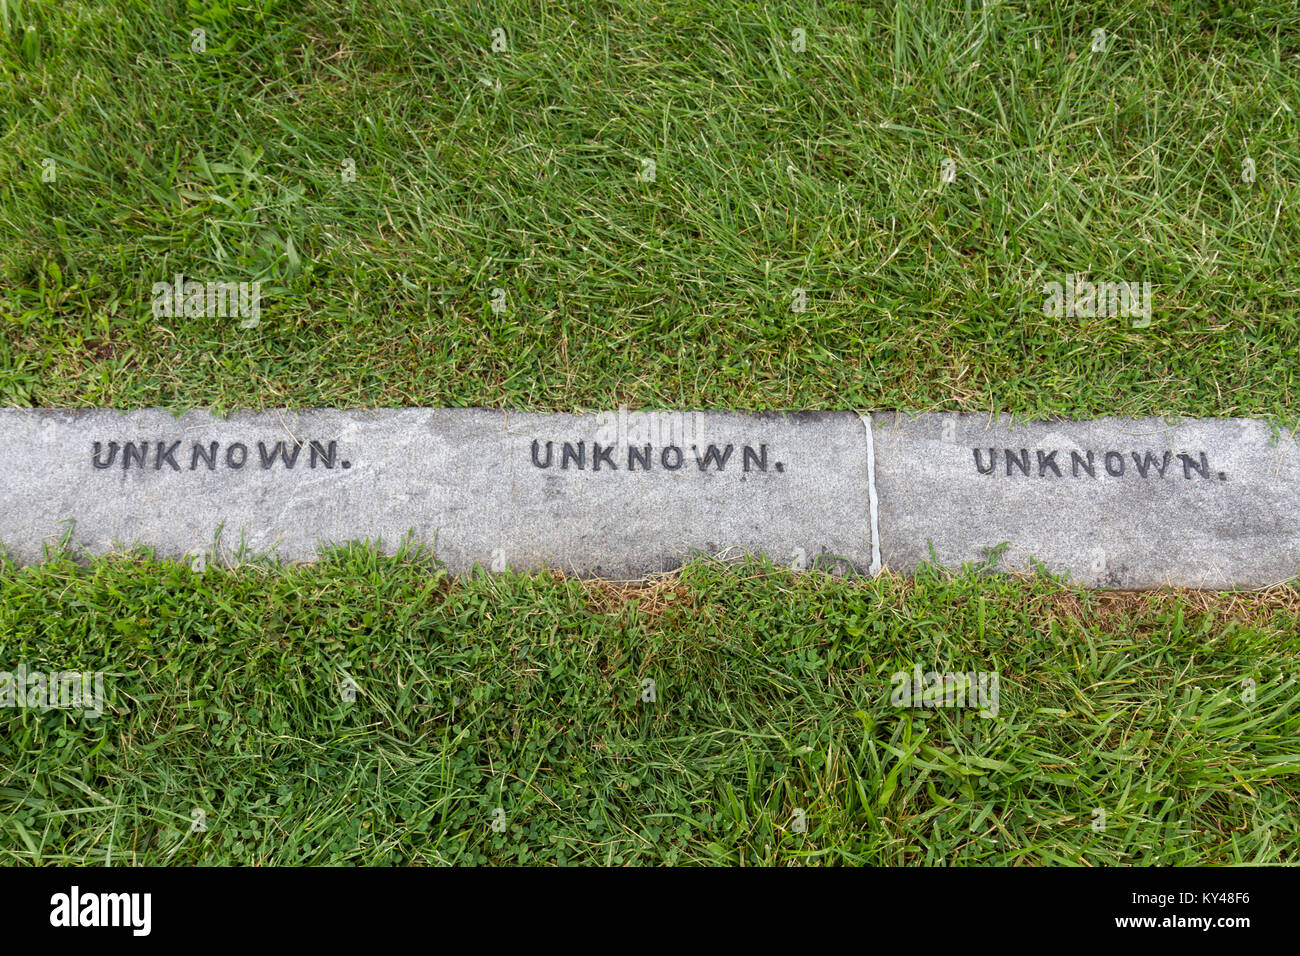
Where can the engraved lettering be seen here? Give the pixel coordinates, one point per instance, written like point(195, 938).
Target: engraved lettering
point(268, 457)
point(719, 460)
point(112, 453)
point(1145, 463)
point(209, 457)
point(1203, 469)
point(130, 451)
point(316, 449)
point(166, 456)
point(569, 454)
point(598, 455)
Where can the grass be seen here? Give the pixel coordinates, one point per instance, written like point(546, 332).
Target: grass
point(775, 170)
point(129, 153)
point(772, 694)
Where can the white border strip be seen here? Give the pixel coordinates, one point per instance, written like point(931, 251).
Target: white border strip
point(872, 500)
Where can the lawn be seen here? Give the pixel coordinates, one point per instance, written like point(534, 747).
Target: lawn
point(571, 206)
point(1129, 729)
point(382, 170)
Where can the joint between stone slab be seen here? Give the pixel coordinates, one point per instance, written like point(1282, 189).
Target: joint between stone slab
point(873, 503)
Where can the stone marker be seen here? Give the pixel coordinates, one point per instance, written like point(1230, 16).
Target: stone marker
point(1112, 502)
point(616, 495)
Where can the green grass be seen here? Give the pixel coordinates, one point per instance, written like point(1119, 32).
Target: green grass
point(525, 693)
point(776, 170)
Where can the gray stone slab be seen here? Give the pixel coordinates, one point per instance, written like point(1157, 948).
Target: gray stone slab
point(1119, 503)
point(617, 495)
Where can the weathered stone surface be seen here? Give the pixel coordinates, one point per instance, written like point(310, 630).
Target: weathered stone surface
point(1208, 504)
point(463, 480)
